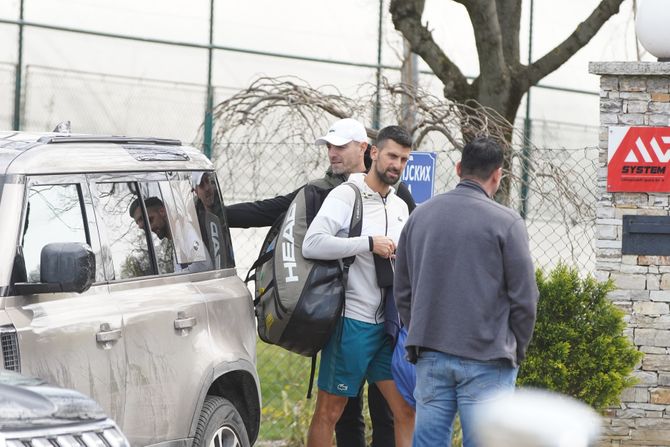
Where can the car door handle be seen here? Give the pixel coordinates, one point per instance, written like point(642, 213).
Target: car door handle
point(184, 322)
point(107, 334)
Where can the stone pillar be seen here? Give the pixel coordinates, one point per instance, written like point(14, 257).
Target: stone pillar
point(636, 94)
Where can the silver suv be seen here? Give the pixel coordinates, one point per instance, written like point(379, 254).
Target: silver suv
point(34, 414)
point(117, 279)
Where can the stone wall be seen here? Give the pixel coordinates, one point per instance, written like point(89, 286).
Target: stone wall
point(636, 94)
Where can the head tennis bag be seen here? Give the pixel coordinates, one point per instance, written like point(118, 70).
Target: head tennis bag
point(299, 301)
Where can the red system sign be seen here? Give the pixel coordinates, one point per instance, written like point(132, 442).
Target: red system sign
point(638, 159)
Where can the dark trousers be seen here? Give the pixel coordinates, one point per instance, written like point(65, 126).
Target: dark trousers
point(350, 429)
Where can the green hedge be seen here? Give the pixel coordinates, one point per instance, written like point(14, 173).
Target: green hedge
point(578, 347)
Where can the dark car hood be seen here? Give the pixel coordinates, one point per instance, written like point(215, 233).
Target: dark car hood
point(25, 400)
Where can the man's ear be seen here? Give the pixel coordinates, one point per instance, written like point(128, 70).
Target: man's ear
point(458, 169)
point(374, 152)
point(497, 174)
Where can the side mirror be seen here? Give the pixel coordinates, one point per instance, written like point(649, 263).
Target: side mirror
point(64, 267)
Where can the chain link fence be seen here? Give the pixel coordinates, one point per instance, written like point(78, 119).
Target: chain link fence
point(560, 201)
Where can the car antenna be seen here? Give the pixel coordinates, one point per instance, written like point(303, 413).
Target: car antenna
point(62, 127)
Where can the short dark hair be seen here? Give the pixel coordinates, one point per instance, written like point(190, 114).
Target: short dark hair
point(149, 202)
point(481, 157)
point(395, 133)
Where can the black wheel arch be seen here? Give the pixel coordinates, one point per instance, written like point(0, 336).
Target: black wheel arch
point(240, 388)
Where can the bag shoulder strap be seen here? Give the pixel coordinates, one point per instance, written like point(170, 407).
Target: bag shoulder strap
point(356, 223)
point(312, 372)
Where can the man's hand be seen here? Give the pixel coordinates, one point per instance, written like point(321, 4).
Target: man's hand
point(383, 246)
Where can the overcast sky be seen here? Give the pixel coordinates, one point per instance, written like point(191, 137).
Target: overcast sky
point(342, 30)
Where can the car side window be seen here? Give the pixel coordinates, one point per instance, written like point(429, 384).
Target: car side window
point(126, 235)
point(53, 213)
point(212, 220)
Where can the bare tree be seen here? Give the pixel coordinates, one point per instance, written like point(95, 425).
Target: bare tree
point(503, 79)
point(284, 109)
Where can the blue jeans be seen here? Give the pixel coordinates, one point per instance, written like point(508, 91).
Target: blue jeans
point(447, 383)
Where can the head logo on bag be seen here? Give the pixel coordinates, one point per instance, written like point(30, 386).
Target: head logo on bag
point(288, 246)
point(298, 301)
point(216, 245)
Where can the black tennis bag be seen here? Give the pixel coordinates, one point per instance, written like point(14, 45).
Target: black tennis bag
point(299, 301)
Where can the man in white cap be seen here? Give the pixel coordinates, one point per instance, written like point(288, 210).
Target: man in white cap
point(204, 188)
point(346, 141)
point(348, 152)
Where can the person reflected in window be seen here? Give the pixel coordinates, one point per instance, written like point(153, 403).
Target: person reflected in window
point(160, 226)
point(210, 217)
point(205, 189)
point(156, 214)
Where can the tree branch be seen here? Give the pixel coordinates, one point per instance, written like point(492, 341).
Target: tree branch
point(580, 37)
point(509, 19)
point(406, 15)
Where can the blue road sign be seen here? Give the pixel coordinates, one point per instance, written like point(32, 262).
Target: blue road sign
point(419, 175)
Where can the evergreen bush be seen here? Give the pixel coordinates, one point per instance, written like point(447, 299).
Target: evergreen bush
point(578, 347)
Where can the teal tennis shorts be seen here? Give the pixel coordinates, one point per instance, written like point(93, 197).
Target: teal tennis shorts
point(357, 351)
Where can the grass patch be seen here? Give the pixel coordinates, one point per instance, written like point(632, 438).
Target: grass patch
point(284, 378)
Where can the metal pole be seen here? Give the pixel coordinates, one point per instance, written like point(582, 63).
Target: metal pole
point(376, 115)
point(527, 130)
point(207, 143)
point(409, 76)
point(19, 68)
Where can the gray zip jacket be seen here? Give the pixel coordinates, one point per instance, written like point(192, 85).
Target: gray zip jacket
point(464, 279)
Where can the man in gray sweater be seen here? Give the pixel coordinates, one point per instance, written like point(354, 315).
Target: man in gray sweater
point(465, 286)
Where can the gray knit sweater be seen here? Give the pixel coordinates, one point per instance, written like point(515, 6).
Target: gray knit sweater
point(464, 279)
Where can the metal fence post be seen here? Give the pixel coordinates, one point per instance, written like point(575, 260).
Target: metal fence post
point(19, 66)
point(207, 143)
point(376, 113)
point(527, 130)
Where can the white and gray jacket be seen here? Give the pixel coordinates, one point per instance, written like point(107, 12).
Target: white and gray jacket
point(327, 238)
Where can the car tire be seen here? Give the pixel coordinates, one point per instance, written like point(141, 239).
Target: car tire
point(220, 425)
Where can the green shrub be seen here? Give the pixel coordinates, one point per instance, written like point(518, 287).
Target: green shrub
point(578, 347)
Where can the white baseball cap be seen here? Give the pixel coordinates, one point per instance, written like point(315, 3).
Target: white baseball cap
point(344, 131)
point(197, 176)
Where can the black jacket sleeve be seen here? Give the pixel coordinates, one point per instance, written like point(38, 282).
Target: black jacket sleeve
point(403, 192)
point(261, 213)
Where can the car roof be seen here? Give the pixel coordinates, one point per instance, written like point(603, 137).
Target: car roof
point(59, 153)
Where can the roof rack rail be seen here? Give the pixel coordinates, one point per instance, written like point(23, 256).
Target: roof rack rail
point(110, 139)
